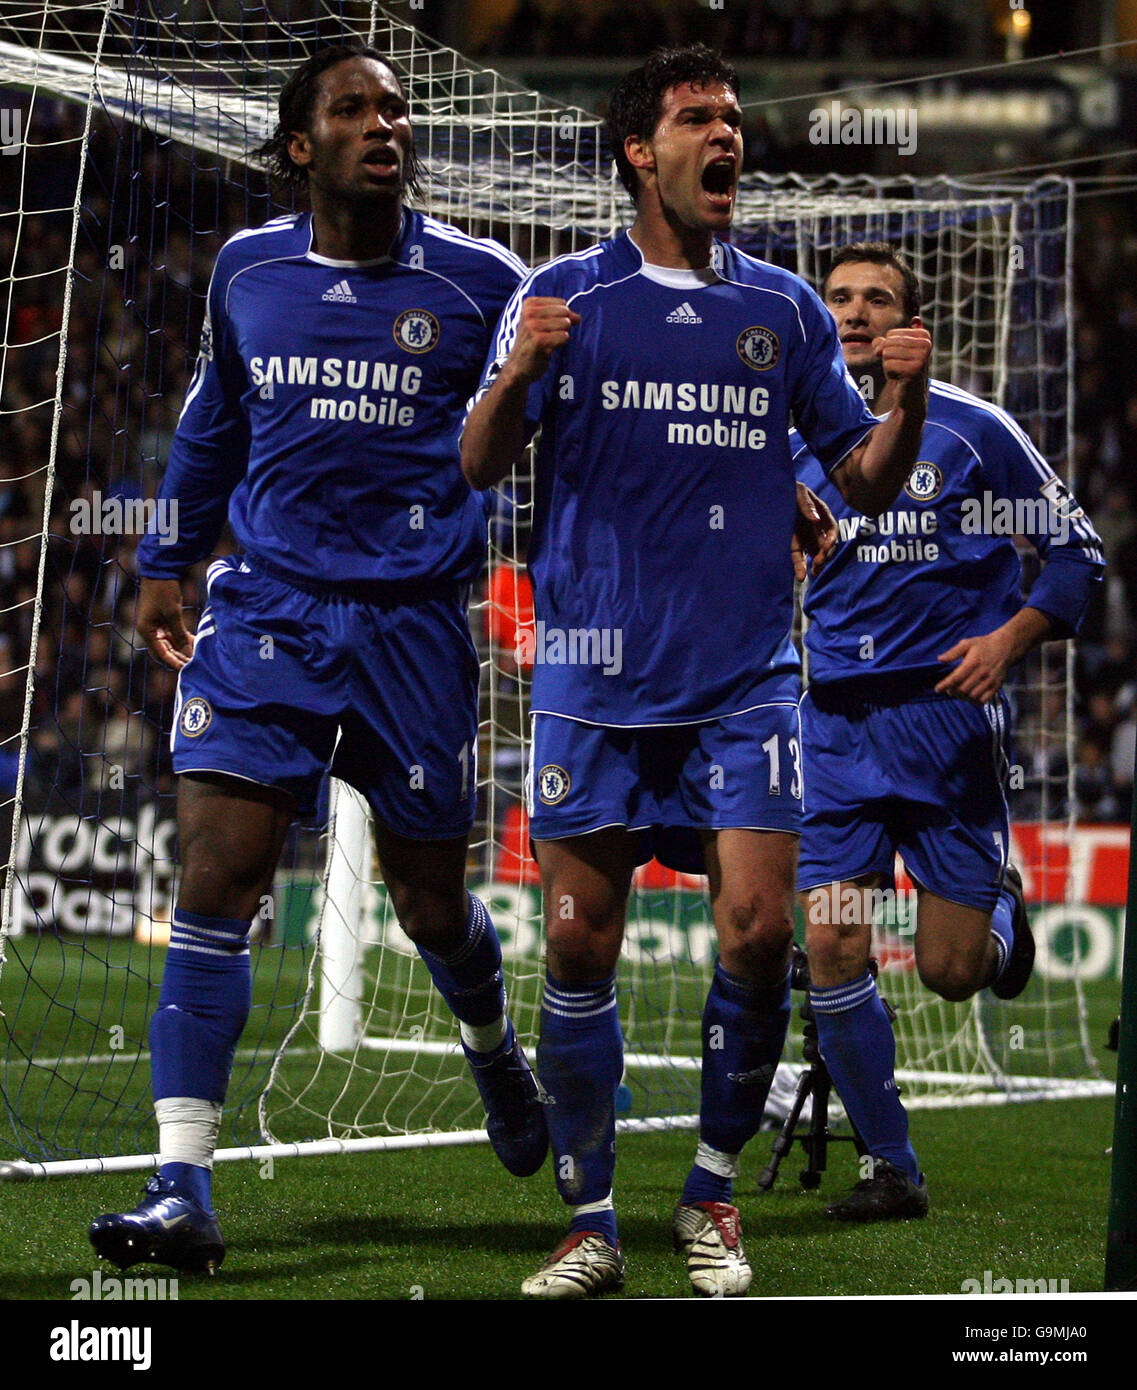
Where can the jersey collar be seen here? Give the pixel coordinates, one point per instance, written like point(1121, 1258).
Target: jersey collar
point(631, 257)
point(395, 253)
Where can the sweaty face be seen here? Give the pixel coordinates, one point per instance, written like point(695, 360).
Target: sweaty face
point(359, 135)
point(696, 154)
point(866, 300)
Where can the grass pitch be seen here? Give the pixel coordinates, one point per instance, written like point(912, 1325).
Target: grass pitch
point(1021, 1191)
point(1017, 1190)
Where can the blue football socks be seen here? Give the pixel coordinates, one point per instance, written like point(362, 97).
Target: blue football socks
point(470, 978)
point(202, 1008)
point(744, 1031)
point(1002, 929)
point(580, 1062)
point(859, 1049)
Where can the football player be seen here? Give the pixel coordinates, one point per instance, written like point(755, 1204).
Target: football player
point(914, 626)
point(340, 347)
point(662, 367)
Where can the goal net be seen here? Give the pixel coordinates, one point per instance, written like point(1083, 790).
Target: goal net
point(127, 132)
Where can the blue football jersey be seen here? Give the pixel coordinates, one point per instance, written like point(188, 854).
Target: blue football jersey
point(324, 412)
point(941, 564)
point(665, 495)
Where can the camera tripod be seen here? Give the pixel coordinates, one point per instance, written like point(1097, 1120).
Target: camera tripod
point(814, 1082)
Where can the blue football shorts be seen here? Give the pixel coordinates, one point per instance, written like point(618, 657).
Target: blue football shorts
point(287, 683)
point(667, 782)
point(924, 777)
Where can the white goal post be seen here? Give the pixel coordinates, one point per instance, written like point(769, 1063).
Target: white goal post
point(134, 165)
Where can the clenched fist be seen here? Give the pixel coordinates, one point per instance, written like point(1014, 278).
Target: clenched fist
point(544, 326)
point(905, 352)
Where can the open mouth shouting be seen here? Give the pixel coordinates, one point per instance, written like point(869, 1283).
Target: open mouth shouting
point(719, 177)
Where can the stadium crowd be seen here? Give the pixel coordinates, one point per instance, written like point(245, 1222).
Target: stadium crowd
point(101, 705)
point(816, 29)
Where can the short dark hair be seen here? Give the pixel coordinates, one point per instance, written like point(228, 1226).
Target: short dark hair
point(879, 253)
point(637, 103)
point(294, 112)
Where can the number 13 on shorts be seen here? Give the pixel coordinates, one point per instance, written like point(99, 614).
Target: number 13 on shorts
point(772, 749)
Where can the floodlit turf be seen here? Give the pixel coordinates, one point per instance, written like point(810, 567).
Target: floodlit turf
point(1017, 1190)
point(1020, 1191)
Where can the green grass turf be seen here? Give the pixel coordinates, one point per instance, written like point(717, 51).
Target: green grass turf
point(1018, 1190)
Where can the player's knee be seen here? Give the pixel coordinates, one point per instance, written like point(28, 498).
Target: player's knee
point(835, 951)
point(583, 945)
point(823, 950)
point(570, 913)
point(755, 930)
point(757, 919)
point(431, 919)
point(952, 978)
point(227, 859)
point(218, 883)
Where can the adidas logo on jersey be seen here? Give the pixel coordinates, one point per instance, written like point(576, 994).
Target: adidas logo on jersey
point(684, 314)
point(340, 294)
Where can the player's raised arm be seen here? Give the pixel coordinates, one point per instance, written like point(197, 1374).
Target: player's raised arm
point(871, 477)
point(497, 428)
